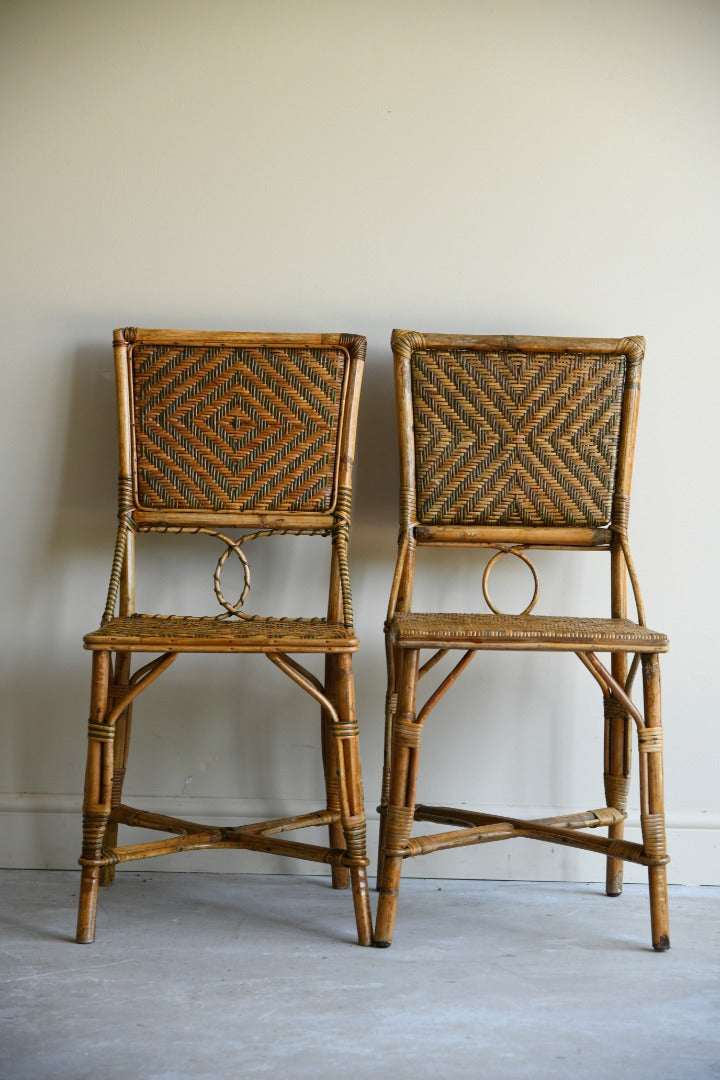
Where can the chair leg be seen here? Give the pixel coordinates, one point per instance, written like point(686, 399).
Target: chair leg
point(618, 745)
point(98, 796)
point(118, 687)
point(393, 662)
point(340, 874)
point(400, 811)
point(352, 804)
point(652, 802)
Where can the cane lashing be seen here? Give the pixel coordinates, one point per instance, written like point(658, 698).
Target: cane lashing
point(408, 732)
point(125, 524)
point(355, 830)
point(94, 825)
point(101, 732)
point(617, 790)
point(650, 740)
point(398, 823)
point(654, 843)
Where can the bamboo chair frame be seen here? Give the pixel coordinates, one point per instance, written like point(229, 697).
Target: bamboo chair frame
point(268, 449)
point(432, 376)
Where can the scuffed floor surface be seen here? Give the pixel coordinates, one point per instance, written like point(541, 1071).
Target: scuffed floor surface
point(211, 977)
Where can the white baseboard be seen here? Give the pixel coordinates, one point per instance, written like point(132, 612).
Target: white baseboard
point(43, 832)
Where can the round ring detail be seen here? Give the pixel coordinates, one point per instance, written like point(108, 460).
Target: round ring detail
point(523, 558)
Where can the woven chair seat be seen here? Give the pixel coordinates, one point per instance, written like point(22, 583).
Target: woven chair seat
point(176, 633)
point(523, 632)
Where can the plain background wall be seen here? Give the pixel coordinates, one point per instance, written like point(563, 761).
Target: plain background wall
point(526, 166)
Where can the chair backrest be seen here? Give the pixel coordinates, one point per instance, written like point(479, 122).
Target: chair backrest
point(235, 430)
point(516, 440)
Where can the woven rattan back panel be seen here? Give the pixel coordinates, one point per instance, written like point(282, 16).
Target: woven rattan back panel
point(509, 437)
point(242, 428)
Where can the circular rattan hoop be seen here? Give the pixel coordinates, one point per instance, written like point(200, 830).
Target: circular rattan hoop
point(523, 558)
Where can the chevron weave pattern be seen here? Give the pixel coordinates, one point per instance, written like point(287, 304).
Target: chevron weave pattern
point(236, 428)
point(512, 438)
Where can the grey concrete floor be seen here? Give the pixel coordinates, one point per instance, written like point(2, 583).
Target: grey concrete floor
point(219, 976)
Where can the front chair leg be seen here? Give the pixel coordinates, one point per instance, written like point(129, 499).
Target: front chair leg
point(393, 665)
point(118, 688)
point(618, 743)
point(652, 802)
point(98, 796)
point(400, 812)
point(352, 804)
point(340, 874)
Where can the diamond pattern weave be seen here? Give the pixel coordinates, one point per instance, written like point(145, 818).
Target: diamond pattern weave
point(236, 428)
point(511, 438)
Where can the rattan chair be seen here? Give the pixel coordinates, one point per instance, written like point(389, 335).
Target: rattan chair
point(507, 444)
point(250, 435)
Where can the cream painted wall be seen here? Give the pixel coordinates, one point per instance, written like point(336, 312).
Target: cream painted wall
point(538, 166)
